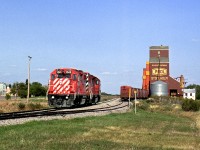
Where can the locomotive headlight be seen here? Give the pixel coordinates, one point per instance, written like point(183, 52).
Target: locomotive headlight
point(66, 97)
point(52, 97)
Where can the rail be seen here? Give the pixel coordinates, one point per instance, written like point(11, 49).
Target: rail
point(55, 112)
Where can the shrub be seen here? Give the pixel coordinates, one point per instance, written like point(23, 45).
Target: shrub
point(195, 105)
point(21, 106)
point(32, 106)
point(7, 97)
point(150, 100)
point(143, 105)
point(38, 106)
point(167, 107)
point(186, 105)
point(190, 105)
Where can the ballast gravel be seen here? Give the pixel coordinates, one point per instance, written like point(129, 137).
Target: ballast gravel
point(71, 116)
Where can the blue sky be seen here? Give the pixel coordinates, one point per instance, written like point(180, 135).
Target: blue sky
point(108, 38)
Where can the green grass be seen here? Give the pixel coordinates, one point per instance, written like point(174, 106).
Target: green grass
point(145, 130)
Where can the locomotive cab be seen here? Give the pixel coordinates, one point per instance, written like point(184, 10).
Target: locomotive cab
point(62, 86)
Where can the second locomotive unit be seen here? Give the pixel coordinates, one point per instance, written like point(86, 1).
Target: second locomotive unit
point(71, 87)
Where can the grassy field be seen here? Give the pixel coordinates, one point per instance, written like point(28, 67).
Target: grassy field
point(144, 130)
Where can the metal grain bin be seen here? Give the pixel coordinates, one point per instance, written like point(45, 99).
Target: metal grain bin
point(159, 88)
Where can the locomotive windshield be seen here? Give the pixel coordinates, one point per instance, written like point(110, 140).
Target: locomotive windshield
point(52, 76)
point(63, 74)
point(67, 75)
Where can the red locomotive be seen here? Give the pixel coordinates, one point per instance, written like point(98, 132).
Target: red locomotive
point(71, 87)
point(140, 93)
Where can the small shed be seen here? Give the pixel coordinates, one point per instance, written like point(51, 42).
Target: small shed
point(189, 93)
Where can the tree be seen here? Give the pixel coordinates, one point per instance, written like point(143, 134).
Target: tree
point(37, 89)
point(7, 96)
point(20, 89)
point(14, 88)
point(197, 87)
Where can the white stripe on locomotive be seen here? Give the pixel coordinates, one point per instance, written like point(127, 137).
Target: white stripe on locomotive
point(87, 82)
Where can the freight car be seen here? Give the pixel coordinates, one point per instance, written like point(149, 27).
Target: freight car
point(126, 90)
point(71, 87)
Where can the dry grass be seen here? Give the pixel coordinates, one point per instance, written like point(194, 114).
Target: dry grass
point(12, 105)
point(141, 137)
point(108, 97)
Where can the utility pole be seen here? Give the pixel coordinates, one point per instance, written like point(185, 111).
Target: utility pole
point(135, 92)
point(129, 105)
point(158, 77)
point(28, 92)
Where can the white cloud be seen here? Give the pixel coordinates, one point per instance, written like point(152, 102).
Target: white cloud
point(195, 40)
point(13, 66)
point(128, 71)
point(41, 69)
point(5, 74)
point(109, 73)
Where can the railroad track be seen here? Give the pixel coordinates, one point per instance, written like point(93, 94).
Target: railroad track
point(62, 112)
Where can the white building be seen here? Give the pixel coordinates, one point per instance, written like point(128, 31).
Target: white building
point(3, 89)
point(189, 93)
